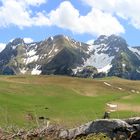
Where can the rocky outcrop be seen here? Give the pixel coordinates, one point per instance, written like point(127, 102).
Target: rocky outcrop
point(88, 71)
point(113, 128)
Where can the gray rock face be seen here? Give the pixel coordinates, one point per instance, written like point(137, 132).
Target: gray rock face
point(113, 128)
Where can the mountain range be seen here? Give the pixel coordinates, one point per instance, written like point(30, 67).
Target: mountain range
point(62, 55)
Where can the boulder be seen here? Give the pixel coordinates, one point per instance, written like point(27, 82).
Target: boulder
point(110, 127)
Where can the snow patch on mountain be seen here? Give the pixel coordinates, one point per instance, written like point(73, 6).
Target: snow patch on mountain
point(32, 45)
point(117, 49)
point(31, 56)
point(50, 56)
point(51, 49)
point(100, 61)
point(2, 46)
point(51, 38)
point(31, 53)
point(80, 44)
point(67, 37)
point(78, 69)
point(135, 51)
point(91, 48)
point(15, 46)
point(56, 50)
point(138, 70)
point(101, 48)
point(36, 70)
point(105, 69)
point(23, 70)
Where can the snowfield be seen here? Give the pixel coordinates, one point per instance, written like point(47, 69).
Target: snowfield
point(101, 61)
point(136, 51)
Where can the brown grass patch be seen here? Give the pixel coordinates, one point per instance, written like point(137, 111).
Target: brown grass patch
point(128, 107)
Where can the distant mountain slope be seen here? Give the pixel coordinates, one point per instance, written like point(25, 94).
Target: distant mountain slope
point(55, 55)
point(108, 56)
point(112, 56)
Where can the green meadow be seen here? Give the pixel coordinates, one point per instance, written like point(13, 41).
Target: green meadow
point(68, 101)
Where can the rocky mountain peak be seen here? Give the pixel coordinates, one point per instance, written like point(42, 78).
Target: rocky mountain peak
point(55, 39)
point(112, 39)
point(14, 43)
point(111, 45)
point(58, 37)
point(101, 39)
point(17, 41)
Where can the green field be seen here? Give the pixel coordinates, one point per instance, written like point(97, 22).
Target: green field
point(65, 100)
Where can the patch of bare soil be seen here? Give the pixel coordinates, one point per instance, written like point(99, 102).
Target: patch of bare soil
point(128, 107)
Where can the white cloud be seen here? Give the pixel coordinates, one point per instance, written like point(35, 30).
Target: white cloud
point(90, 42)
point(19, 13)
point(13, 12)
point(126, 9)
point(34, 2)
point(95, 22)
point(2, 46)
point(28, 40)
point(41, 20)
point(66, 16)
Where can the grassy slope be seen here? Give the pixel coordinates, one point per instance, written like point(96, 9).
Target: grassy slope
point(70, 101)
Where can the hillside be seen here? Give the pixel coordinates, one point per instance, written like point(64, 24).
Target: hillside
point(65, 100)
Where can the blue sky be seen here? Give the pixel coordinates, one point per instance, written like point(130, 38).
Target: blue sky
point(82, 20)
